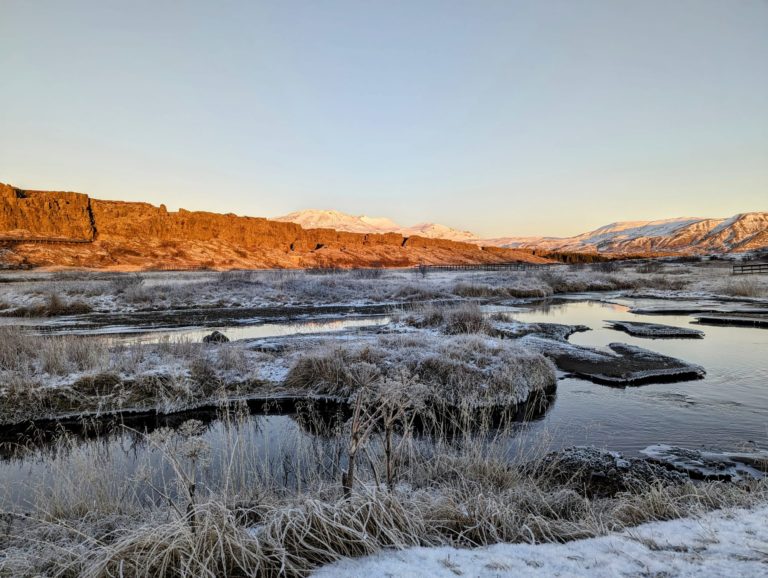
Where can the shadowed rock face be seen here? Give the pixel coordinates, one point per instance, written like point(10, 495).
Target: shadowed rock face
point(141, 236)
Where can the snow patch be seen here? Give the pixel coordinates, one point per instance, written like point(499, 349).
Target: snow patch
point(722, 543)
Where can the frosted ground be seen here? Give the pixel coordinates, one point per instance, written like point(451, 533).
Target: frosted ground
point(31, 293)
point(722, 543)
point(102, 520)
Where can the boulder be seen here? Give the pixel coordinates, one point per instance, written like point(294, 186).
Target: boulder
point(601, 473)
point(216, 337)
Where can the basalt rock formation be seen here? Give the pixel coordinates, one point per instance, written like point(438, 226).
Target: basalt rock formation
point(44, 215)
point(40, 228)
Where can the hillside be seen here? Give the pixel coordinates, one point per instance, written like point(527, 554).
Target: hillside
point(688, 235)
point(63, 229)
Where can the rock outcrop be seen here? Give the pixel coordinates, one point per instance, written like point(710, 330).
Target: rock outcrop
point(599, 473)
point(44, 215)
point(71, 229)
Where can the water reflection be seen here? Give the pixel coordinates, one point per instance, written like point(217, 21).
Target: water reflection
point(293, 441)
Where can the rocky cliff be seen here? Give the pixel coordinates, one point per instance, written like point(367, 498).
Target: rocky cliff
point(44, 215)
point(70, 229)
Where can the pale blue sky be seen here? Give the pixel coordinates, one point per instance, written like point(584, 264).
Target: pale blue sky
point(506, 118)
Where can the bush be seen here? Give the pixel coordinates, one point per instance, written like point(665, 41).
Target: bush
point(125, 282)
point(650, 267)
point(366, 273)
point(467, 318)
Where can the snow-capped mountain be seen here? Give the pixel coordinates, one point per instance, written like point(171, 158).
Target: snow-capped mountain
point(315, 219)
point(742, 232)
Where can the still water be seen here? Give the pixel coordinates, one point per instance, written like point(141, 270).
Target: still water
point(728, 409)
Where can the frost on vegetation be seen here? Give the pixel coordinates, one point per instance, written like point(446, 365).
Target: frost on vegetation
point(47, 376)
point(454, 499)
point(126, 292)
point(469, 370)
point(725, 543)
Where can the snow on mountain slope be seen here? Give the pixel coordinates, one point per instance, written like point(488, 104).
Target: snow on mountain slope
point(313, 219)
point(741, 232)
point(317, 219)
point(436, 231)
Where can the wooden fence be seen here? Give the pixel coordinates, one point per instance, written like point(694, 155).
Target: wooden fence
point(750, 268)
point(480, 267)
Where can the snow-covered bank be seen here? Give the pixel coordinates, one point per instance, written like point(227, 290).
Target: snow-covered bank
point(721, 543)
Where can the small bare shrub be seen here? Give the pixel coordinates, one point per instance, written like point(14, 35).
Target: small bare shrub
point(649, 267)
point(467, 318)
point(202, 372)
point(125, 282)
point(366, 273)
point(231, 359)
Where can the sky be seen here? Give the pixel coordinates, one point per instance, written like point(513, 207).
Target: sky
point(541, 117)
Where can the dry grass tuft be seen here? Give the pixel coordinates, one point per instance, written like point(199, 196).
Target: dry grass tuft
point(52, 306)
point(745, 286)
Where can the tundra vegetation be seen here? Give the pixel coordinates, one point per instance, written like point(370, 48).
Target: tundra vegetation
point(49, 294)
point(419, 454)
point(375, 483)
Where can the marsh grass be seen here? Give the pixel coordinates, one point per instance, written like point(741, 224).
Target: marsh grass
point(53, 305)
point(285, 513)
point(745, 286)
point(462, 370)
point(44, 376)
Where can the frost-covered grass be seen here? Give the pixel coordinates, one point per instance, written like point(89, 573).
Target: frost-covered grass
point(465, 370)
point(746, 286)
point(459, 491)
point(455, 356)
point(48, 376)
point(31, 293)
point(242, 513)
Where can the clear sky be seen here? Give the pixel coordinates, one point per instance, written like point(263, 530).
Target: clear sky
point(502, 117)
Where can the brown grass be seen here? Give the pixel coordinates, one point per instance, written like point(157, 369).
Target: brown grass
point(96, 524)
point(53, 306)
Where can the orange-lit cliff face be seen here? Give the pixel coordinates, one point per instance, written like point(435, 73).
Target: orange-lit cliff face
point(70, 229)
point(44, 215)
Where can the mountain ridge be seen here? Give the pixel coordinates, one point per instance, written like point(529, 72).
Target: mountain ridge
point(340, 221)
point(695, 235)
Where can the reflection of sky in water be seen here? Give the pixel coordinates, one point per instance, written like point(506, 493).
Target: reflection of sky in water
point(725, 410)
point(262, 330)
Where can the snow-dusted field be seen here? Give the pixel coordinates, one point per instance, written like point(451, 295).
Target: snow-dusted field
point(32, 293)
point(454, 338)
point(714, 545)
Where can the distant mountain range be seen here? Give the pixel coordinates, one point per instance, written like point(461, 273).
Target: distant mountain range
point(687, 235)
point(318, 219)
